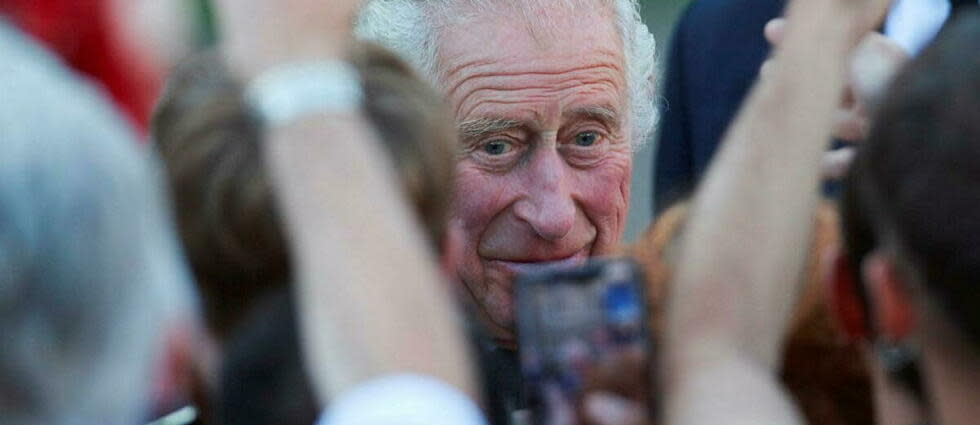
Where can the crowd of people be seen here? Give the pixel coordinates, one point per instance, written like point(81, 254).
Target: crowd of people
point(326, 216)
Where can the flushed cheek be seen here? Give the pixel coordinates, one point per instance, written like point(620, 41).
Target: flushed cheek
point(478, 197)
point(605, 191)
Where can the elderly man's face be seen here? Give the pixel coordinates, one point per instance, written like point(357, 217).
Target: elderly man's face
point(544, 171)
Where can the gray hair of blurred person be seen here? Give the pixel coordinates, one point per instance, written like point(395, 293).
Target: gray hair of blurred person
point(90, 273)
point(411, 28)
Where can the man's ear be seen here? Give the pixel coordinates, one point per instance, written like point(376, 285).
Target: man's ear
point(892, 309)
point(843, 296)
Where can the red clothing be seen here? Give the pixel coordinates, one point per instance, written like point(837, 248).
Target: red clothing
point(83, 34)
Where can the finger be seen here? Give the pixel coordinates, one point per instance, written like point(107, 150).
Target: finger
point(560, 411)
point(850, 125)
point(626, 373)
point(836, 163)
point(877, 11)
point(606, 409)
point(875, 61)
point(618, 367)
point(775, 31)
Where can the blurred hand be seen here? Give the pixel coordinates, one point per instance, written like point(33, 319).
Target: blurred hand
point(603, 408)
point(874, 62)
point(615, 392)
point(856, 16)
point(259, 34)
point(619, 392)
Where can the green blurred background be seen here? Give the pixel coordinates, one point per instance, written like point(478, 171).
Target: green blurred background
point(660, 16)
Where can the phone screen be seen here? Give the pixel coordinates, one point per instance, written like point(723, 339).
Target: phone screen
point(572, 323)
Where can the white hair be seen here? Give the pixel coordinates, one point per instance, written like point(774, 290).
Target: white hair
point(90, 271)
point(411, 28)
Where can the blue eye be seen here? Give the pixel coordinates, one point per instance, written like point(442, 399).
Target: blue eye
point(497, 147)
point(586, 138)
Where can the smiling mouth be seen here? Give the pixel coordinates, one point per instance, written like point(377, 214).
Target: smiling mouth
point(523, 267)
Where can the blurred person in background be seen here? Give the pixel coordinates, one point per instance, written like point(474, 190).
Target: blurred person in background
point(93, 290)
point(905, 283)
point(210, 140)
point(87, 37)
point(714, 58)
point(124, 46)
point(223, 202)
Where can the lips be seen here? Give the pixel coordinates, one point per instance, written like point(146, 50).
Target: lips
point(514, 268)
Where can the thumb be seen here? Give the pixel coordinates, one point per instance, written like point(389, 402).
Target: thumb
point(775, 31)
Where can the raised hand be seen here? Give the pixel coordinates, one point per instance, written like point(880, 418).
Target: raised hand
point(258, 34)
point(619, 392)
point(873, 63)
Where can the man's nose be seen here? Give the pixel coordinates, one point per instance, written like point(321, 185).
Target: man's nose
point(548, 206)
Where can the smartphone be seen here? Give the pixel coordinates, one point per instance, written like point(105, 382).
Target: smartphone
point(571, 324)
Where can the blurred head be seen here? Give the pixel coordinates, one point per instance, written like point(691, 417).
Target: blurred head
point(225, 205)
point(547, 126)
point(413, 124)
point(909, 276)
point(90, 272)
point(210, 145)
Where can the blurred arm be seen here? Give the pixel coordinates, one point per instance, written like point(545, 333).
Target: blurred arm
point(369, 297)
point(746, 240)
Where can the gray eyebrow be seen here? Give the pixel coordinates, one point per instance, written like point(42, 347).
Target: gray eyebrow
point(479, 127)
point(601, 113)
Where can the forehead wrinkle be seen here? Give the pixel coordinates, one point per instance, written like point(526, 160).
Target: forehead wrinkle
point(530, 104)
point(590, 68)
point(490, 68)
point(477, 93)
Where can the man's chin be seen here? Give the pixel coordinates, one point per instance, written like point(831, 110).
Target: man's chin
point(499, 325)
point(498, 309)
point(501, 329)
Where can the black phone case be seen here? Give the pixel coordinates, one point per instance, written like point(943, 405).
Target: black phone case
point(569, 320)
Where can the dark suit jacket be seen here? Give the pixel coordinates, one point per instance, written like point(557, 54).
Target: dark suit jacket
point(715, 56)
